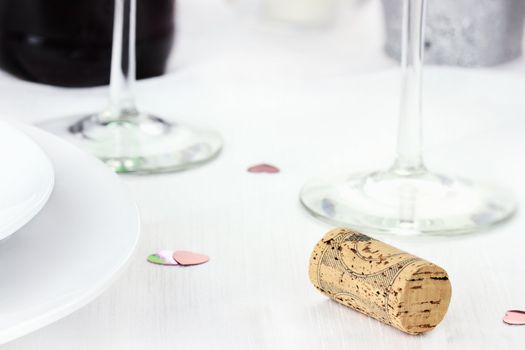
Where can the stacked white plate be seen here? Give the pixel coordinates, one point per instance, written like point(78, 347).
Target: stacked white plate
point(26, 181)
point(67, 227)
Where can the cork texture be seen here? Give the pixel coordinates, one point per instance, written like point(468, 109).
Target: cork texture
point(381, 281)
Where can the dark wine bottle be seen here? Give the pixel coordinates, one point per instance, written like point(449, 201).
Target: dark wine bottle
point(68, 43)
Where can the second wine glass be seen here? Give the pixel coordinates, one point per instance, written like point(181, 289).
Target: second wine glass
point(408, 199)
point(124, 137)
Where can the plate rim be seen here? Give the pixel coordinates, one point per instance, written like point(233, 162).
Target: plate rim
point(79, 301)
point(11, 228)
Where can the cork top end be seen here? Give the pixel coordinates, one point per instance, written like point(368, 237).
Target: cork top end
point(424, 299)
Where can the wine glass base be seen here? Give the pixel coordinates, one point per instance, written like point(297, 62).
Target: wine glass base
point(142, 143)
point(425, 204)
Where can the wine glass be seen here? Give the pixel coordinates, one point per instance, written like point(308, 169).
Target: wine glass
point(124, 137)
point(408, 199)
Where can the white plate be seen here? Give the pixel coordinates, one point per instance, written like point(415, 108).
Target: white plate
point(26, 179)
point(72, 249)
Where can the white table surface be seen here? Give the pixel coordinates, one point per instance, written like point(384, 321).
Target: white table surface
point(277, 95)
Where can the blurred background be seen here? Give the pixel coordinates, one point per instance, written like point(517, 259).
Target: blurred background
point(64, 43)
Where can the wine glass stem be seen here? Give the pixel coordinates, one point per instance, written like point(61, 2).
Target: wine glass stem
point(409, 160)
point(122, 100)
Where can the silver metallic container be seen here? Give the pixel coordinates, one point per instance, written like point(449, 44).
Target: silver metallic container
point(463, 32)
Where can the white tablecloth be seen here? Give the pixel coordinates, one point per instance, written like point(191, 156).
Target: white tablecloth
point(291, 98)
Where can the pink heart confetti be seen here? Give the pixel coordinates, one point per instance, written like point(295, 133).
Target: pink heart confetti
point(514, 317)
point(164, 257)
point(263, 168)
point(189, 258)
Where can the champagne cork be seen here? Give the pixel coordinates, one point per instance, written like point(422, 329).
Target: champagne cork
point(381, 281)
